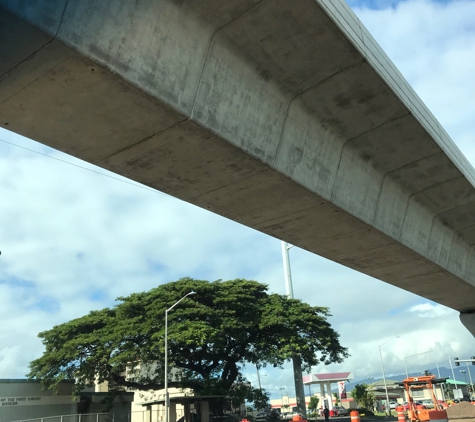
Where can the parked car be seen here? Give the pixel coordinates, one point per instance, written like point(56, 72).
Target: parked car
point(417, 405)
point(393, 405)
point(428, 403)
point(261, 417)
point(340, 411)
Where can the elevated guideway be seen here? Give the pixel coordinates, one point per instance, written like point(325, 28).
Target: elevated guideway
point(285, 116)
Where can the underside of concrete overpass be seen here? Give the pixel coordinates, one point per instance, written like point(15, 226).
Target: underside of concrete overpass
point(285, 116)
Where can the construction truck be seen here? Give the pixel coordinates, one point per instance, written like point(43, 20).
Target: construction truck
point(414, 412)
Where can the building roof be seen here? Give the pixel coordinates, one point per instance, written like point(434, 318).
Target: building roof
point(451, 381)
point(330, 377)
point(390, 384)
point(181, 399)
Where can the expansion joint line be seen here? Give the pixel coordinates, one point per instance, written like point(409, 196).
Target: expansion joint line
point(299, 94)
point(213, 35)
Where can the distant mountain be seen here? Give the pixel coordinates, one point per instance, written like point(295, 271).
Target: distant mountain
point(444, 373)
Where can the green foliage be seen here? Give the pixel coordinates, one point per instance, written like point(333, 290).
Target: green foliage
point(448, 391)
point(313, 404)
point(364, 396)
point(337, 398)
point(211, 336)
point(260, 398)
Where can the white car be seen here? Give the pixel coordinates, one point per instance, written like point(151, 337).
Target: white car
point(428, 403)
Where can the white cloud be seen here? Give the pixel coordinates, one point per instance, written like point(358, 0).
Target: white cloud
point(73, 240)
point(429, 310)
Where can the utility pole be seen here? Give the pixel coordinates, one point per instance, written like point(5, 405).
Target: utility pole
point(453, 375)
point(297, 364)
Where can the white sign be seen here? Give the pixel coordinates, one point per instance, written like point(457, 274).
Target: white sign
point(35, 400)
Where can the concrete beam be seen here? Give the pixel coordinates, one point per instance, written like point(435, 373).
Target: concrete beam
point(284, 116)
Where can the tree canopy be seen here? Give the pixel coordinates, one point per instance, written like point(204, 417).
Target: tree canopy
point(313, 404)
point(364, 396)
point(211, 337)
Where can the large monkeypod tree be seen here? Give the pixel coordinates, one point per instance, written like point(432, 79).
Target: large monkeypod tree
point(211, 337)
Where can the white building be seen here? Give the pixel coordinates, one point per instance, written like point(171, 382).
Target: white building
point(22, 399)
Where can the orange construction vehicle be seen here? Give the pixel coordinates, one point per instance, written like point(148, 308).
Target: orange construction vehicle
point(424, 381)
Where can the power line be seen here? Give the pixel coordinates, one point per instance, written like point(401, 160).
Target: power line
point(85, 168)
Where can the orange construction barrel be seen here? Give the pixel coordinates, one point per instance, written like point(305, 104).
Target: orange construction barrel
point(401, 417)
point(354, 416)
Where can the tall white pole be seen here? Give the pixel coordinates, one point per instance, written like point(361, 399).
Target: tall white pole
point(166, 366)
point(167, 398)
point(384, 379)
point(441, 386)
point(287, 272)
point(258, 378)
point(296, 362)
point(388, 409)
point(453, 375)
point(469, 374)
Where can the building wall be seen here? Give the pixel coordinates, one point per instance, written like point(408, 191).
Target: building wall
point(286, 403)
point(139, 411)
point(22, 399)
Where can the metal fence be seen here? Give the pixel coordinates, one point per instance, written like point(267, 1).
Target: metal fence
point(150, 416)
point(93, 417)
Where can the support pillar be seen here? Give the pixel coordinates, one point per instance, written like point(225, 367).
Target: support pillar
point(204, 410)
point(329, 395)
point(322, 393)
point(468, 319)
point(186, 411)
point(172, 412)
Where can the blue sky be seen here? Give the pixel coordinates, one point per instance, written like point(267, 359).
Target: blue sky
point(74, 237)
point(382, 4)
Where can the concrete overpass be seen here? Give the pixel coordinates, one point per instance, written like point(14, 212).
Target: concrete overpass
point(285, 116)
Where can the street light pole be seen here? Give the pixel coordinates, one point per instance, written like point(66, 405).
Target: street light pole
point(453, 375)
point(296, 361)
point(388, 410)
point(258, 378)
point(469, 374)
point(470, 377)
point(289, 291)
point(442, 385)
point(167, 399)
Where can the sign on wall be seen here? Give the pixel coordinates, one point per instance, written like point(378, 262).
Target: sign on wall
point(35, 400)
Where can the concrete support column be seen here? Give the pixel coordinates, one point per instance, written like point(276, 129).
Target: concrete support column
point(322, 394)
point(172, 414)
point(468, 319)
point(148, 414)
point(329, 394)
point(204, 409)
point(186, 411)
